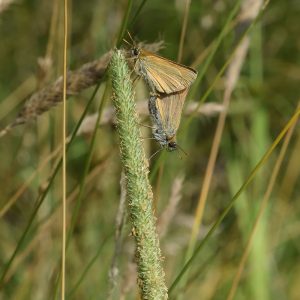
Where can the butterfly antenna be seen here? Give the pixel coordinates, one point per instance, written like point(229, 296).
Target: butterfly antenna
point(133, 43)
point(148, 138)
point(155, 153)
point(147, 126)
point(180, 148)
point(127, 42)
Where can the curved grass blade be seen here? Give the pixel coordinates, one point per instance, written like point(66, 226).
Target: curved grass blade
point(124, 23)
point(236, 196)
point(43, 196)
point(89, 265)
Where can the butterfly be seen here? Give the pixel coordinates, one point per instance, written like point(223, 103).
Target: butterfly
point(165, 111)
point(162, 75)
point(169, 83)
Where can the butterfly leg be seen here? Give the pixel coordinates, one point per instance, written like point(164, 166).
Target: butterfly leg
point(147, 126)
point(154, 154)
point(135, 78)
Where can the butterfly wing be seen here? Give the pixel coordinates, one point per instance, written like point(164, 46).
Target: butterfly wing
point(169, 108)
point(163, 75)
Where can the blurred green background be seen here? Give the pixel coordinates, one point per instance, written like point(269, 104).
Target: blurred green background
point(265, 97)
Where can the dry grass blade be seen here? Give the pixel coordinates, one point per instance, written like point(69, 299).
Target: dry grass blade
point(120, 221)
point(23, 91)
point(231, 80)
point(108, 115)
point(22, 189)
point(4, 4)
point(261, 210)
point(230, 83)
point(291, 174)
point(52, 220)
point(86, 76)
point(183, 30)
point(170, 211)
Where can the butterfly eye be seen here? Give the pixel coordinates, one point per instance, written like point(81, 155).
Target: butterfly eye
point(135, 52)
point(172, 146)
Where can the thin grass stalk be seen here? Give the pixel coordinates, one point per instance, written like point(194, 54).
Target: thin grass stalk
point(151, 276)
point(64, 155)
point(89, 265)
point(261, 210)
point(183, 29)
point(287, 187)
point(8, 104)
point(215, 47)
point(224, 67)
point(83, 178)
point(202, 72)
point(290, 177)
point(11, 201)
point(45, 224)
point(124, 23)
point(231, 80)
point(120, 221)
point(87, 166)
point(46, 98)
point(133, 19)
point(259, 280)
point(246, 183)
point(42, 197)
point(78, 202)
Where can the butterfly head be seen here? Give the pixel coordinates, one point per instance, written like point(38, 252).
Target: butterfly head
point(171, 144)
point(135, 51)
point(167, 142)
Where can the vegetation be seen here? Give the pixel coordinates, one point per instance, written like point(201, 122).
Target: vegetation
point(226, 212)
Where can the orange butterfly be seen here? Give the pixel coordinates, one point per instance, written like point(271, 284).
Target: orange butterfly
point(165, 111)
point(162, 75)
point(169, 83)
